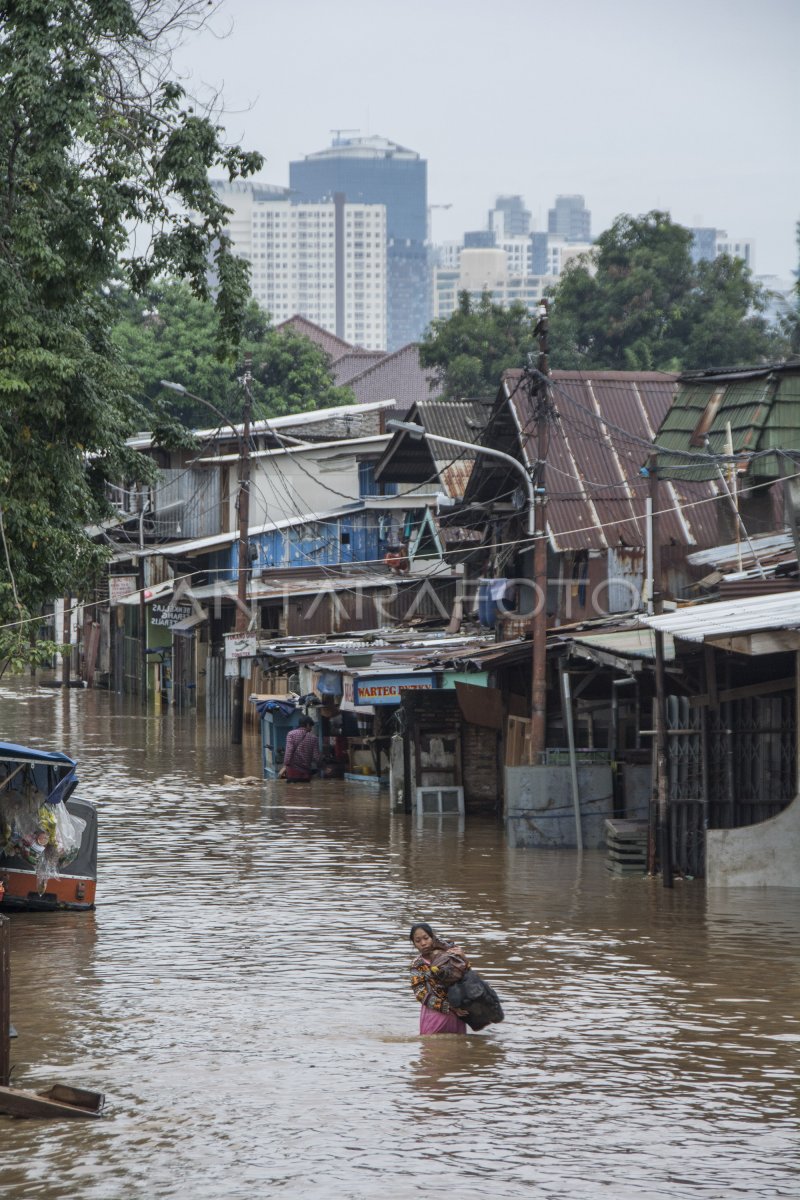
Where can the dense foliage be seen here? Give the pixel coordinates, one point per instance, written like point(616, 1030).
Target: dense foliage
point(791, 321)
point(639, 302)
point(470, 350)
point(96, 145)
point(168, 333)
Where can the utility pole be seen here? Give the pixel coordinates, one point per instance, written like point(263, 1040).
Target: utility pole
point(663, 838)
point(544, 414)
point(242, 616)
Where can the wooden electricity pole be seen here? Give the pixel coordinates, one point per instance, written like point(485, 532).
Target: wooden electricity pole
point(663, 839)
point(544, 415)
point(242, 616)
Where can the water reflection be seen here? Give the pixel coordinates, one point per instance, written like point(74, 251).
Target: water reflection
point(241, 995)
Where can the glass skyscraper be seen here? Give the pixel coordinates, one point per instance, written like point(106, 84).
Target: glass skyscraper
point(373, 170)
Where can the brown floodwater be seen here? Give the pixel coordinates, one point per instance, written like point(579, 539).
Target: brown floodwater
point(241, 996)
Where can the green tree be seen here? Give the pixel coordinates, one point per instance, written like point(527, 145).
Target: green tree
point(724, 325)
point(790, 322)
point(95, 142)
point(168, 333)
point(469, 350)
point(636, 301)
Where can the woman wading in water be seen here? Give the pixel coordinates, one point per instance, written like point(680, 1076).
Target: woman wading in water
point(437, 965)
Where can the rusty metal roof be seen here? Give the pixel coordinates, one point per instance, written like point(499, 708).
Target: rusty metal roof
point(412, 654)
point(594, 453)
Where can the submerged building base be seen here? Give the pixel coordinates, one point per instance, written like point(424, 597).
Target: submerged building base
point(763, 855)
point(540, 809)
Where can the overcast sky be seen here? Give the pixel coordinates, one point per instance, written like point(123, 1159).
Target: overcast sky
point(690, 106)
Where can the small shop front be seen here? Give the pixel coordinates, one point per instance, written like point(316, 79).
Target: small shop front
point(357, 717)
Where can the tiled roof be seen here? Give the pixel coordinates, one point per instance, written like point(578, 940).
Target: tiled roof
point(399, 377)
point(333, 346)
point(354, 363)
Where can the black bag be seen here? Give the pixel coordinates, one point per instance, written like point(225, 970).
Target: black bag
point(481, 1001)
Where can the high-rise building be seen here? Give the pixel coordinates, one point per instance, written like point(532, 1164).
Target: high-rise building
point(325, 262)
point(486, 272)
point(570, 219)
point(509, 218)
point(479, 239)
point(709, 243)
point(373, 170)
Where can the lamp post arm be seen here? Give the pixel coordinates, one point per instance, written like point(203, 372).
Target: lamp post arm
point(508, 458)
point(182, 391)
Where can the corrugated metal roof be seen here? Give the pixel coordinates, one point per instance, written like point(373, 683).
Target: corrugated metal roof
point(294, 583)
point(594, 452)
point(372, 442)
point(143, 441)
point(728, 617)
point(762, 407)
point(627, 643)
point(769, 549)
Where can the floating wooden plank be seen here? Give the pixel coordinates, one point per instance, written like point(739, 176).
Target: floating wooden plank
point(60, 1100)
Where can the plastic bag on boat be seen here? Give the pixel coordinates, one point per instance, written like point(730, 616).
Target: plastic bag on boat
point(46, 819)
point(69, 834)
point(33, 832)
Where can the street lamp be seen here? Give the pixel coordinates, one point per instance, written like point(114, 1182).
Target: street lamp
point(184, 391)
point(418, 432)
point(243, 437)
point(539, 620)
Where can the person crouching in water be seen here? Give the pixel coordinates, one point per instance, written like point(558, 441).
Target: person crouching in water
point(437, 965)
point(301, 755)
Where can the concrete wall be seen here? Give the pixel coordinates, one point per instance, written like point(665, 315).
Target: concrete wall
point(763, 855)
point(539, 809)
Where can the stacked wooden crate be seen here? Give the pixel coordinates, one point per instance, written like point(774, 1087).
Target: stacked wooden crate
point(627, 846)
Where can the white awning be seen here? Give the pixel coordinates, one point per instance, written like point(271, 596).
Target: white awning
point(725, 618)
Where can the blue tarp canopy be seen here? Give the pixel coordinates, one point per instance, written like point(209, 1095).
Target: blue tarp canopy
point(8, 750)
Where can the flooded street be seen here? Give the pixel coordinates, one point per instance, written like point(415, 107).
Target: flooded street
point(241, 996)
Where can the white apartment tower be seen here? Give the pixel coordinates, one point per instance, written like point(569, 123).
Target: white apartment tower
point(324, 261)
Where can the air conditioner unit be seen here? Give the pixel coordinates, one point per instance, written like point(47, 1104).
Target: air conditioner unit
point(440, 800)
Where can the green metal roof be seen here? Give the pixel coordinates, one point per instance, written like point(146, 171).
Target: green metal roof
point(762, 407)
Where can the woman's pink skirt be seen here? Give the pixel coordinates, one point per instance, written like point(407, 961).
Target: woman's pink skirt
point(431, 1021)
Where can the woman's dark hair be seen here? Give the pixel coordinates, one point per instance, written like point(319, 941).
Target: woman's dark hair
point(421, 925)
